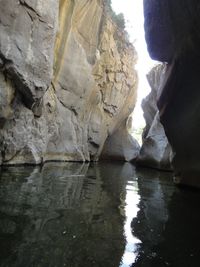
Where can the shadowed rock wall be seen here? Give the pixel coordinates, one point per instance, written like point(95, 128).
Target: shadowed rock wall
point(173, 35)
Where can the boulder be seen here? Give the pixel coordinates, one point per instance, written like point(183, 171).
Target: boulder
point(121, 145)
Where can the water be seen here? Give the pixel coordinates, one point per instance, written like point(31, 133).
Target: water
point(102, 215)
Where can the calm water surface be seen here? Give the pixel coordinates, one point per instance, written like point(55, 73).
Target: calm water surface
point(101, 215)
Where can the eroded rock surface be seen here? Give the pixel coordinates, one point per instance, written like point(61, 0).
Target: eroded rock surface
point(67, 80)
point(175, 40)
point(26, 45)
point(155, 151)
point(121, 145)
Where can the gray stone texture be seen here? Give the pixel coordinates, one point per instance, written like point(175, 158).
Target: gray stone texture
point(121, 145)
point(67, 80)
point(155, 151)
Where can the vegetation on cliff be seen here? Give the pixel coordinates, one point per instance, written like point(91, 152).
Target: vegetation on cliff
point(118, 19)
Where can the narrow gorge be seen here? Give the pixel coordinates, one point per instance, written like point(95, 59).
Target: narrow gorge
point(76, 187)
point(69, 85)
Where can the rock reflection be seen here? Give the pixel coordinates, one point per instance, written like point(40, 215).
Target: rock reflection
point(167, 222)
point(63, 215)
point(97, 215)
point(156, 190)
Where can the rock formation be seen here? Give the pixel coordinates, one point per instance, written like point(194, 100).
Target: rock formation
point(121, 145)
point(67, 80)
point(155, 151)
point(173, 36)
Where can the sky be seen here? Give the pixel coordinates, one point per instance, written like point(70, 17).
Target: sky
point(133, 14)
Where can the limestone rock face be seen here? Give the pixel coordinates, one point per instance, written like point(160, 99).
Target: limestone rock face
point(155, 151)
point(28, 30)
point(176, 41)
point(121, 145)
point(67, 80)
point(149, 103)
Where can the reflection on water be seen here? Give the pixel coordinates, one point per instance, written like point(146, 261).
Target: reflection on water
point(131, 209)
point(167, 222)
point(102, 215)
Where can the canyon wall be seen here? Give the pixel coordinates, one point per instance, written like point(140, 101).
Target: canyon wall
point(155, 151)
point(67, 80)
point(173, 36)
